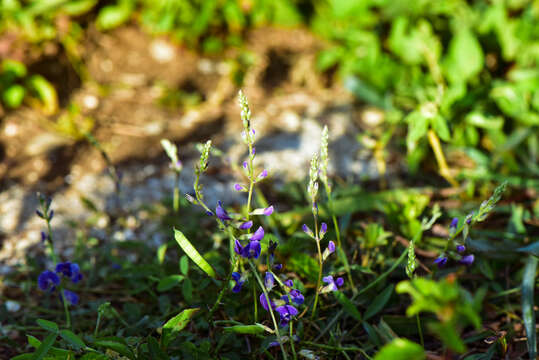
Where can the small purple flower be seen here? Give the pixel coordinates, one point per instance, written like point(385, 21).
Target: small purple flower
point(277, 267)
point(289, 283)
point(269, 281)
point(51, 214)
point(323, 229)
point(221, 212)
point(71, 297)
point(441, 261)
point(454, 223)
point(237, 278)
point(44, 237)
point(297, 296)
point(271, 250)
point(254, 151)
point(333, 284)
point(238, 248)
point(239, 187)
point(331, 247)
point(245, 164)
point(70, 270)
point(258, 234)
point(40, 214)
point(307, 230)
point(265, 303)
point(467, 260)
point(461, 248)
point(246, 225)
point(286, 312)
point(262, 175)
point(268, 211)
point(209, 213)
point(48, 280)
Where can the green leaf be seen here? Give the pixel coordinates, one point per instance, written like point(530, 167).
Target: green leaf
point(72, 339)
point(187, 290)
point(528, 313)
point(45, 346)
point(449, 336)
point(348, 306)
point(439, 124)
point(176, 324)
point(155, 351)
point(13, 96)
point(169, 282)
point(379, 302)
point(193, 253)
point(401, 349)
point(246, 329)
point(116, 344)
point(112, 16)
point(161, 251)
point(465, 57)
point(48, 325)
point(184, 265)
point(533, 249)
point(45, 92)
point(418, 125)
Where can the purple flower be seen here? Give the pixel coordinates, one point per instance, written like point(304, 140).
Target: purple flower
point(44, 237)
point(245, 164)
point(307, 230)
point(461, 248)
point(331, 247)
point(48, 280)
point(258, 235)
point(467, 260)
point(40, 214)
point(265, 303)
point(441, 261)
point(246, 225)
point(51, 214)
point(254, 151)
point(71, 297)
point(239, 187)
point(70, 270)
point(269, 281)
point(278, 267)
point(289, 283)
point(221, 212)
point(268, 211)
point(333, 285)
point(251, 250)
point(323, 229)
point(454, 223)
point(297, 296)
point(262, 175)
point(237, 278)
point(286, 312)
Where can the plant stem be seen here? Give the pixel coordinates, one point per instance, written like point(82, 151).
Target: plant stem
point(222, 292)
point(276, 328)
point(97, 324)
point(440, 158)
point(176, 197)
point(290, 324)
point(317, 238)
point(420, 330)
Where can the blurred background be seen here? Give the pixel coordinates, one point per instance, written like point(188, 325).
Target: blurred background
point(415, 93)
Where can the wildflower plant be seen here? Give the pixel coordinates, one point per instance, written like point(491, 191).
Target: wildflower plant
point(48, 280)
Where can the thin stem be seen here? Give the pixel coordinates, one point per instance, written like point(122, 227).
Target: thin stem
point(440, 158)
point(221, 293)
point(317, 238)
point(276, 328)
point(97, 324)
point(290, 324)
point(251, 178)
point(176, 197)
point(337, 348)
point(420, 330)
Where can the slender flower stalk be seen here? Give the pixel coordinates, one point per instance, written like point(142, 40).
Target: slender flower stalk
point(270, 309)
point(324, 162)
point(176, 166)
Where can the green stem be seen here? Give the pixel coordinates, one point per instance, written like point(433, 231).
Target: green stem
point(276, 328)
point(420, 330)
point(317, 238)
point(292, 340)
point(97, 325)
point(222, 292)
point(176, 197)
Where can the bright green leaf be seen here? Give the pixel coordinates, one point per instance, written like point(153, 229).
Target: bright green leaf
point(401, 349)
point(193, 253)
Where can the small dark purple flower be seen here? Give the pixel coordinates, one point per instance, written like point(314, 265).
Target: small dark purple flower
point(51, 214)
point(269, 281)
point(265, 303)
point(467, 260)
point(70, 270)
point(268, 211)
point(258, 234)
point(332, 284)
point(286, 312)
point(40, 214)
point(441, 261)
point(254, 151)
point(239, 187)
point(252, 250)
point(116, 266)
point(209, 213)
point(237, 278)
point(323, 229)
point(245, 164)
point(297, 296)
point(262, 175)
point(454, 223)
point(44, 237)
point(331, 247)
point(221, 212)
point(48, 280)
point(71, 297)
point(289, 283)
point(307, 230)
point(461, 248)
point(246, 225)
point(238, 248)
point(277, 267)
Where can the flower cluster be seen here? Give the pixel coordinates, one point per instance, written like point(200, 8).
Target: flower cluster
point(284, 305)
point(49, 280)
point(460, 248)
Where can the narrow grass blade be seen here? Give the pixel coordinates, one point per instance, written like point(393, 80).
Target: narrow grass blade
point(45, 346)
point(193, 253)
point(527, 304)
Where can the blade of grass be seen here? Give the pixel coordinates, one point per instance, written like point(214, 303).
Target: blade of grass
point(193, 254)
point(527, 304)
